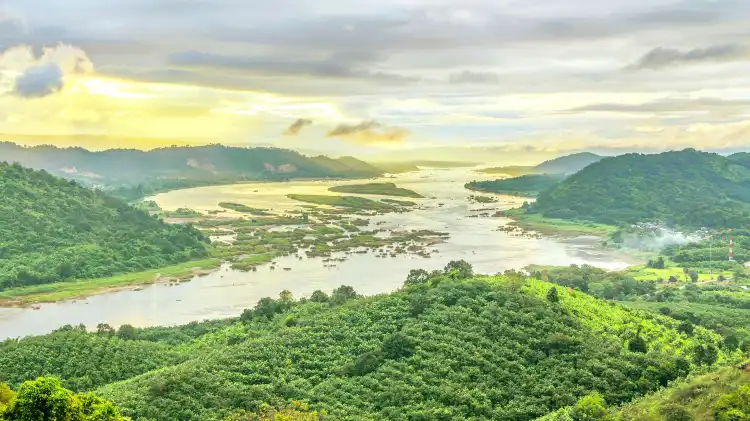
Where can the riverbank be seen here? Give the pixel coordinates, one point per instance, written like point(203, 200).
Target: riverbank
point(47, 293)
point(555, 226)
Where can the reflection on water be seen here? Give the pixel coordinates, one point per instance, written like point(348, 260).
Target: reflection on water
point(226, 292)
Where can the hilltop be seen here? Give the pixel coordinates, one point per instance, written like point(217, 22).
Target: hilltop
point(139, 173)
point(564, 165)
point(54, 230)
point(446, 346)
point(688, 188)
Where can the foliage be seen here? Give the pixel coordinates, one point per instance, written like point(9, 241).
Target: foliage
point(698, 398)
point(734, 406)
point(44, 399)
point(54, 230)
point(383, 189)
point(591, 408)
point(526, 185)
point(687, 188)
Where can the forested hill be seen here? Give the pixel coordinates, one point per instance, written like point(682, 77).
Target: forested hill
point(214, 163)
point(568, 164)
point(688, 188)
point(446, 346)
point(52, 229)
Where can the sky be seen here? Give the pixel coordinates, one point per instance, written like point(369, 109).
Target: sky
point(378, 77)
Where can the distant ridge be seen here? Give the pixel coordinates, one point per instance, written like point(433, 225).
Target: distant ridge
point(183, 166)
point(564, 165)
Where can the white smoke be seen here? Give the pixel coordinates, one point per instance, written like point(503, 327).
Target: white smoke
point(656, 238)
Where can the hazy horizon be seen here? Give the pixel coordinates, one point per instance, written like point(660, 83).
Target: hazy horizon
point(532, 78)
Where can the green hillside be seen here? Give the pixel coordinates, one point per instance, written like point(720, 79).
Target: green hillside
point(706, 397)
point(688, 188)
point(443, 347)
point(135, 173)
point(525, 185)
point(54, 230)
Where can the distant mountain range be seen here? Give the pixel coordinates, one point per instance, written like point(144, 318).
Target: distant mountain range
point(563, 165)
point(174, 167)
point(688, 187)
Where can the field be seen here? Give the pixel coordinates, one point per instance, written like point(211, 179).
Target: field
point(641, 273)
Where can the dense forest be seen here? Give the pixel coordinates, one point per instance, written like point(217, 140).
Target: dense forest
point(525, 185)
point(54, 230)
point(448, 345)
point(134, 173)
point(686, 188)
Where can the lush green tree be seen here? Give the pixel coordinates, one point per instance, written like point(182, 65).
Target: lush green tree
point(734, 406)
point(343, 294)
point(591, 407)
point(319, 296)
point(459, 269)
point(126, 332)
point(398, 345)
point(44, 399)
point(552, 295)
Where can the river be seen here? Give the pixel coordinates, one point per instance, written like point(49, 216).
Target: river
point(227, 292)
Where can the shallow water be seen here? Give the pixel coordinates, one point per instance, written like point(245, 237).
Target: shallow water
point(227, 292)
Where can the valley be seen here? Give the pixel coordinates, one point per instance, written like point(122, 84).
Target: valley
point(225, 291)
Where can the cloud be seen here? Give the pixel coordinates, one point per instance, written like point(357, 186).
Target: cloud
point(661, 57)
point(337, 66)
point(36, 74)
point(295, 128)
point(471, 77)
point(39, 81)
point(369, 132)
point(669, 105)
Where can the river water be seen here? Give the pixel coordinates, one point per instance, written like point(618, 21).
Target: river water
point(227, 292)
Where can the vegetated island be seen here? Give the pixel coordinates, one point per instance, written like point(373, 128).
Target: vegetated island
point(525, 186)
point(353, 203)
point(517, 347)
point(238, 207)
point(382, 189)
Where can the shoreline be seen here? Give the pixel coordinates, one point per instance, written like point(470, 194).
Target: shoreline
point(25, 297)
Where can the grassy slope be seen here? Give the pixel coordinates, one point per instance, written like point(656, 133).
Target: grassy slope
point(383, 189)
point(696, 394)
point(68, 290)
point(557, 226)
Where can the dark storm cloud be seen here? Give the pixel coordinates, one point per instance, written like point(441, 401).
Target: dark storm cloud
point(39, 81)
point(369, 132)
point(297, 126)
point(660, 57)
